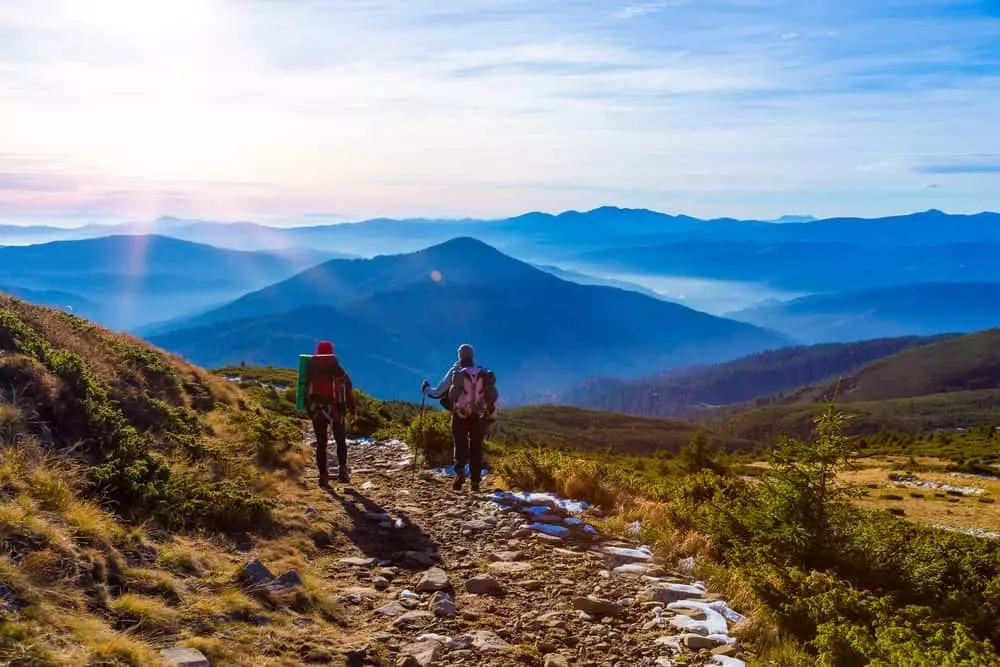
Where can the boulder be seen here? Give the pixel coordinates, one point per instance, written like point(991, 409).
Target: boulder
point(255, 573)
point(482, 584)
point(290, 579)
point(442, 605)
point(419, 654)
point(595, 606)
point(434, 579)
point(486, 641)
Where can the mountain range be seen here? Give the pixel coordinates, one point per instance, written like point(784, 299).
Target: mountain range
point(949, 383)
point(697, 391)
point(127, 281)
point(564, 234)
point(838, 279)
point(916, 309)
point(402, 317)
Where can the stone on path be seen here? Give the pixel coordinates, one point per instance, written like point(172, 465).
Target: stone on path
point(475, 526)
point(555, 660)
point(697, 642)
point(434, 579)
point(419, 558)
point(357, 562)
point(504, 567)
point(419, 654)
point(184, 657)
point(413, 619)
point(482, 584)
point(486, 641)
point(380, 583)
point(596, 606)
point(442, 605)
point(666, 593)
point(392, 609)
point(507, 556)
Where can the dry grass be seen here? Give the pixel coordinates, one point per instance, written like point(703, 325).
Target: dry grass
point(927, 506)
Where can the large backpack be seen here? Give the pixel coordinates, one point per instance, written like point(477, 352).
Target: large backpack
point(473, 393)
point(327, 368)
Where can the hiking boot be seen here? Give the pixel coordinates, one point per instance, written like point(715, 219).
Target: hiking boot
point(324, 480)
point(459, 481)
point(344, 476)
point(475, 486)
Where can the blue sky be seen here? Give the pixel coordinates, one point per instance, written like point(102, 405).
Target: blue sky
point(288, 110)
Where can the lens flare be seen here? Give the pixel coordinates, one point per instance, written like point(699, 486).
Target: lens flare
point(436, 276)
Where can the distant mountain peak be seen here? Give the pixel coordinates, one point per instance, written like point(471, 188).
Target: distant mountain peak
point(796, 218)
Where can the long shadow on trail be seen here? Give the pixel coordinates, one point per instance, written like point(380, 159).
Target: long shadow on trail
point(408, 547)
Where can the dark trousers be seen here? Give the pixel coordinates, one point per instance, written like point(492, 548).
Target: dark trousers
point(321, 424)
point(468, 435)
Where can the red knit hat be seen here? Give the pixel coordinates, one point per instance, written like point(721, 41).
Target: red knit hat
point(324, 347)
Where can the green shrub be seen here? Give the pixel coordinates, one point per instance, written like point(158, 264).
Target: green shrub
point(897, 511)
point(430, 438)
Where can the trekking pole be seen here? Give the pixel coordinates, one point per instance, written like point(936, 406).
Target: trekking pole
point(420, 431)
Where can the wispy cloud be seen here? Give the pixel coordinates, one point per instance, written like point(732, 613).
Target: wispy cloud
point(257, 108)
point(646, 8)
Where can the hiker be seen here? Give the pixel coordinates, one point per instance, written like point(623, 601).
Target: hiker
point(328, 393)
point(468, 391)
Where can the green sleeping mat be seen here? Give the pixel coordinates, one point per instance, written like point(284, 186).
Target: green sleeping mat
point(300, 389)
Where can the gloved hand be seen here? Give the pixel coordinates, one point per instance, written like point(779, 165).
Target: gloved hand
point(425, 386)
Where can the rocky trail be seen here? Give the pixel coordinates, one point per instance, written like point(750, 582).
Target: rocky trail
point(435, 577)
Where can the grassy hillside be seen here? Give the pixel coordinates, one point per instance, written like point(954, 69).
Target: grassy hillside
point(131, 486)
point(692, 391)
point(964, 363)
point(575, 428)
point(965, 409)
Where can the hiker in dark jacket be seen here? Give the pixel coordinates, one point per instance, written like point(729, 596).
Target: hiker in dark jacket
point(468, 391)
point(328, 393)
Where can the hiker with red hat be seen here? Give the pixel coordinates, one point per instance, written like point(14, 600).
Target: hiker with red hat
point(329, 393)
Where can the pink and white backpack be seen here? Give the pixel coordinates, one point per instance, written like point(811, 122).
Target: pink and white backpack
point(473, 393)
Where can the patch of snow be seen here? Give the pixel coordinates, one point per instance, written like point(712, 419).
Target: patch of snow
point(687, 565)
point(549, 529)
point(714, 623)
point(913, 482)
point(726, 661)
point(973, 532)
point(634, 554)
point(634, 528)
point(547, 499)
point(731, 615)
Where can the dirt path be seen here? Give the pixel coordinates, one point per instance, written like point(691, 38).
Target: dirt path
point(430, 576)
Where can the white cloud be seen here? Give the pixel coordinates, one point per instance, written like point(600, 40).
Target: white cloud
point(255, 108)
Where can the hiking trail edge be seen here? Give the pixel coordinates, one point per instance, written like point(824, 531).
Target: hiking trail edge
point(433, 577)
